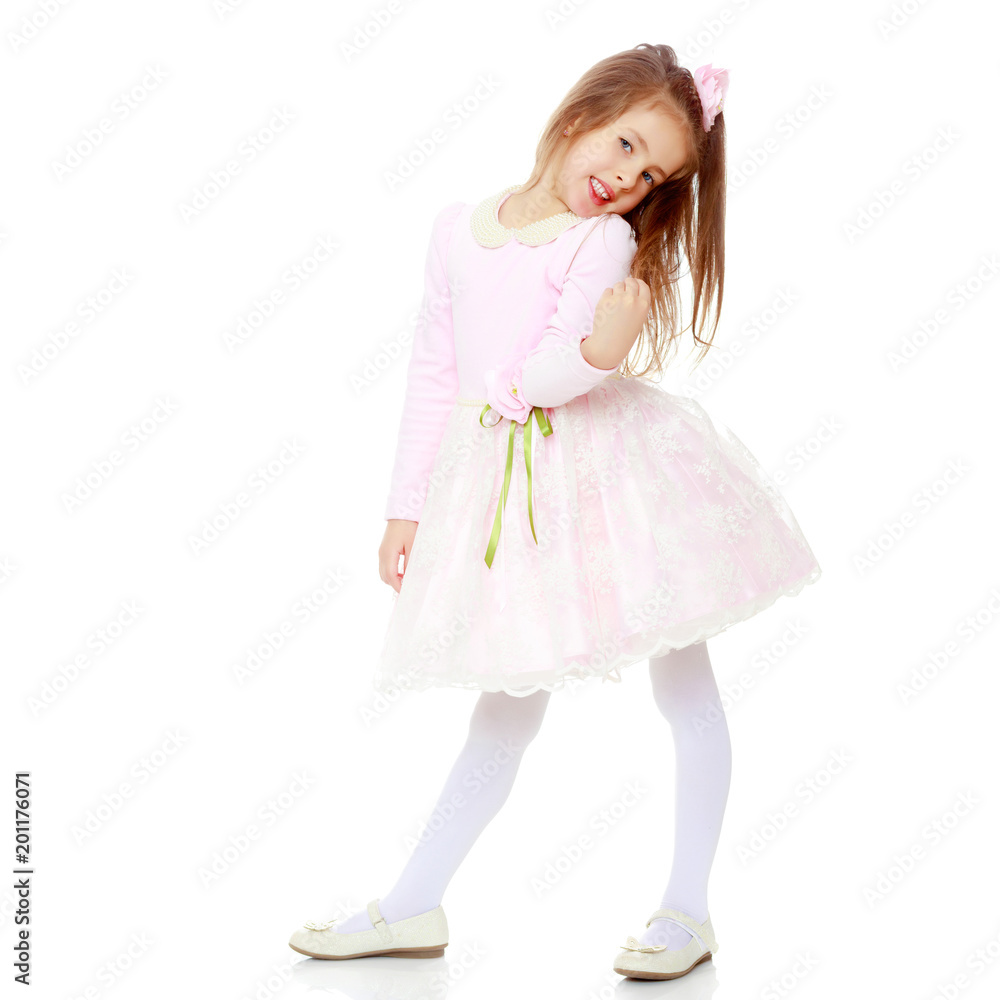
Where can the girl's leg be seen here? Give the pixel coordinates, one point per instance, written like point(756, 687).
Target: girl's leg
point(686, 694)
point(480, 781)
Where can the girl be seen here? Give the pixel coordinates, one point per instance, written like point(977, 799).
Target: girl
point(623, 526)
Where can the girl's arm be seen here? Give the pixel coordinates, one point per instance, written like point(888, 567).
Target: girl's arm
point(431, 380)
point(555, 371)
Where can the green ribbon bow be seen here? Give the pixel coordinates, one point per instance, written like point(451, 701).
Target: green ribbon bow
point(546, 428)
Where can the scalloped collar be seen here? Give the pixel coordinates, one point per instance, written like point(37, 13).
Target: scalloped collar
point(489, 231)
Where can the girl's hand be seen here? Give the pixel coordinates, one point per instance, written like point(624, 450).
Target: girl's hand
point(397, 541)
point(618, 320)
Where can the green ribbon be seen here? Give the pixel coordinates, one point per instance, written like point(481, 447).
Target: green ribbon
point(546, 428)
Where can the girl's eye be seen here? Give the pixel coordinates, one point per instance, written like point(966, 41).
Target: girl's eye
point(645, 173)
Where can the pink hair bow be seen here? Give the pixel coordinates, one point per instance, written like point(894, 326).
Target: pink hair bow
point(711, 85)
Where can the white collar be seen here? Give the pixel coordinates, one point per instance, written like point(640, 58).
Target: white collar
point(489, 231)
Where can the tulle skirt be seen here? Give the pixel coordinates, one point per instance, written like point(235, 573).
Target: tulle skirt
point(651, 528)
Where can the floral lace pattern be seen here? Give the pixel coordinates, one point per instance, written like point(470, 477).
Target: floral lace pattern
point(656, 529)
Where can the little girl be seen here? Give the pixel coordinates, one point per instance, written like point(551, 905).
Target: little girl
point(573, 517)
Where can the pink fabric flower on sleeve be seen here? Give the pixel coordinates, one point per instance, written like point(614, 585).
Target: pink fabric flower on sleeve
point(503, 392)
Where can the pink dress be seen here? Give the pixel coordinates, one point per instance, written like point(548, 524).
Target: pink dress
point(649, 527)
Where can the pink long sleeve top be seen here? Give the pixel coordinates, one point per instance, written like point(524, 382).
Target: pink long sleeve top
point(503, 310)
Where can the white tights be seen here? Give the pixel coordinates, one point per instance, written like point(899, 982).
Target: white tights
point(500, 730)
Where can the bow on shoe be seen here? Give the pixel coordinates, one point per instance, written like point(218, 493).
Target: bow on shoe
point(319, 925)
point(632, 944)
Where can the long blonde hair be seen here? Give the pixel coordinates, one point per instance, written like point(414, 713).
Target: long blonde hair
point(683, 214)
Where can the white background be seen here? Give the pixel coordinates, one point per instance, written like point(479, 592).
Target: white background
point(121, 909)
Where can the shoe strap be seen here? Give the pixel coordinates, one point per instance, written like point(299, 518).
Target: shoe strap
point(701, 931)
point(378, 922)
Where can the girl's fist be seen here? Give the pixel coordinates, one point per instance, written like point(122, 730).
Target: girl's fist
point(622, 310)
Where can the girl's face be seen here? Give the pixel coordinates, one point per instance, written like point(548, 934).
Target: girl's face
point(613, 168)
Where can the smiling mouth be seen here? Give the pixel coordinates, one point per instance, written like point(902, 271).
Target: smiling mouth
point(601, 192)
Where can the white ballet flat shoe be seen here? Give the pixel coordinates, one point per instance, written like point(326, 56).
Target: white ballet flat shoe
point(655, 961)
point(422, 936)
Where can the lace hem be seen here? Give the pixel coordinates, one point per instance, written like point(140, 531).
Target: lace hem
point(612, 669)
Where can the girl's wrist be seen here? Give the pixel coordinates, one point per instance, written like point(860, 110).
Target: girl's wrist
point(599, 353)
